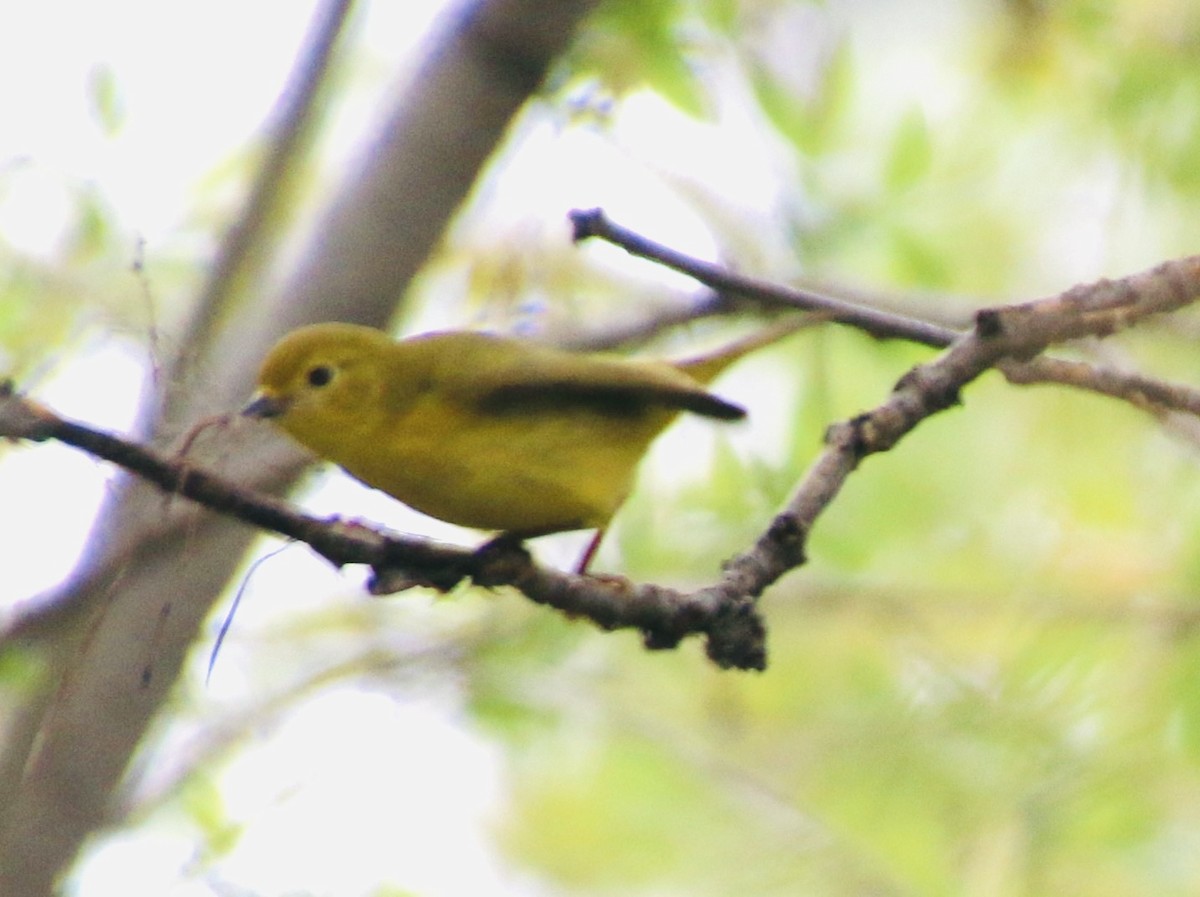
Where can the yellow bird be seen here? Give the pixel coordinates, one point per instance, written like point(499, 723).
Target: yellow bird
point(487, 432)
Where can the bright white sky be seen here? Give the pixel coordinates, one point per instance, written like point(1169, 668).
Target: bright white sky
point(183, 117)
point(355, 789)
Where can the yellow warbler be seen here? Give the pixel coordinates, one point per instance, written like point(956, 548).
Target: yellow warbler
point(485, 431)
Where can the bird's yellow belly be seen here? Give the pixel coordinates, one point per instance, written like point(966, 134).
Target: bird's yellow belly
point(562, 472)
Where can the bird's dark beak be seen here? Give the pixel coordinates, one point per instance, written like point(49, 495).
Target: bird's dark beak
point(265, 406)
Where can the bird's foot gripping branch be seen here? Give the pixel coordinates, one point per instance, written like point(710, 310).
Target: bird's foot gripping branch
point(1010, 339)
point(734, 633)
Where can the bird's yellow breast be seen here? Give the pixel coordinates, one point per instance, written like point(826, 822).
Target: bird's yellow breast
point(483, 431)
point(535, 473)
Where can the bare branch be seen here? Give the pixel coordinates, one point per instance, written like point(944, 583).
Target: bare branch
point(734, 293)
point(137, 600)
point(725, 612)
point(665, 616)
point(293, 119)
point(1148, 393)
point(884, 325)
point(1000, 335)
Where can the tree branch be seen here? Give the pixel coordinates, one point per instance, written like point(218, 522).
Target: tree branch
point(725, 612)
point(883, 325)
point(735, 292)
point(1001, 336)
point(148, 578)
point(665, 616)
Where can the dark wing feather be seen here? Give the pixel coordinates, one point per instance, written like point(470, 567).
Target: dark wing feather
point(615, 399)
point(504, 376)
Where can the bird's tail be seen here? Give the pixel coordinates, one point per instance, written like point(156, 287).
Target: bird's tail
point(709, 366)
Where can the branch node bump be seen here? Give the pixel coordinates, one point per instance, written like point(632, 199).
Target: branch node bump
point(660, 639)
point(788, 536)
point(988, 323)
point(737, 639)
point(857, 434)
point(585, 223)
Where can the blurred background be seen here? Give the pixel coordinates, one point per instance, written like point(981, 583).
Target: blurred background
point(982, 683)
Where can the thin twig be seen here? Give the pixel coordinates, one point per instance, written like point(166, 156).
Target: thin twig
point(733, 292)
point(1000, 335)
point(291, 122)
point(726, 612)
point(736, 635)
point(884, 325)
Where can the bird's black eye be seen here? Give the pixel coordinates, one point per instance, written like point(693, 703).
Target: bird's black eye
point(320, 375)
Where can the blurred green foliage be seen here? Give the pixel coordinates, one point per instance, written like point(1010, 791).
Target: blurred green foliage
point(985, 680)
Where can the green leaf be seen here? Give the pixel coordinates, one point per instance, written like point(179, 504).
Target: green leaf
point(634, 45)
point(811, 123)
point(720, 15)
point(105, 96)
point(911, 153)
point(205, 805)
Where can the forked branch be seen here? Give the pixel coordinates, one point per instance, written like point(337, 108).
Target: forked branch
point(1009, 338)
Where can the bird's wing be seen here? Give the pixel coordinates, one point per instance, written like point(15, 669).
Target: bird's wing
point(707, 367)
point(607, 395)
point(548, 379)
